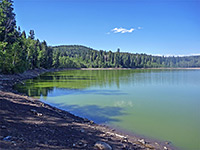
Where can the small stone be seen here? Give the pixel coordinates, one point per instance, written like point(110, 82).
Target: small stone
point(14, 143)
point(102, 146)
point(165, 148)
point(125, 140)
point(91, 122)
point(167, 142)
point(74, 145)
point(142, 141)
point(35, 112)
point(39, 114)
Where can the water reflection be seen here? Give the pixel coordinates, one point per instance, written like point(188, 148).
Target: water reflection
point(83, 79)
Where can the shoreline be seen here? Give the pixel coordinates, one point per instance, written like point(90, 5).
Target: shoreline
point(84, 133)
point(198, 68)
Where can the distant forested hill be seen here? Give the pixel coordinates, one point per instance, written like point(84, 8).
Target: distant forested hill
point(81, 56)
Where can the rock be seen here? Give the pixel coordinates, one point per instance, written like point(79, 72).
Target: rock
point(91, 122)
point(125, 140)
point(167, 142)
point(14, 143)
point(39, 114)
point(165, 148)
point(35, 112)
point(142, 141)
point(102, 146)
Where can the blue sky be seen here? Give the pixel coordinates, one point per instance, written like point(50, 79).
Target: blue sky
point(166, 27)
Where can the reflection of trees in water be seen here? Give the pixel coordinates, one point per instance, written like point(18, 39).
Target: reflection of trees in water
point(81, 79)
point(72, 79)
point(30, 91)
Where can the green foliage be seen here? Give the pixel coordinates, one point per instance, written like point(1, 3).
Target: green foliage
point(87, 57)
point(18, 53)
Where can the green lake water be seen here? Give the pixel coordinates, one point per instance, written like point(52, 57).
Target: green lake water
point(160, 104)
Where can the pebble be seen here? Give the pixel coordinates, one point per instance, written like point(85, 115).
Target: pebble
point(35, 112)
point(102, 146)
point(91, 122)
point(167, 142)
point(39, 114)
point(165, 148)
point(14, 143)
point(156, 143)
point(142, 141)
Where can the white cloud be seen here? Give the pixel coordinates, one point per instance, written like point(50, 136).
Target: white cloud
point(122, 30)
point(139, 28)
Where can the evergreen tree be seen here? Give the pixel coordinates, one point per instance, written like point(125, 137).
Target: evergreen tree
point(32, 34)
point(7, 22)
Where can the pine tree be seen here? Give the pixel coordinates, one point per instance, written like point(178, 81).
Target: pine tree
point(8, 36)
point(7, 22)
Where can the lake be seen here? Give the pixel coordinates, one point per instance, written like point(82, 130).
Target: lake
point(157, 103)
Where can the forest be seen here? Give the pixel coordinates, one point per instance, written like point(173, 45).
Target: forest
point(20, 52)
point(75, 56)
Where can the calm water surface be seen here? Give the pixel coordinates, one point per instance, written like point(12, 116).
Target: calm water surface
point(161, 104)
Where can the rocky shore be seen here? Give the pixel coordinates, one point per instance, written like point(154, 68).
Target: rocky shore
point(27, 123)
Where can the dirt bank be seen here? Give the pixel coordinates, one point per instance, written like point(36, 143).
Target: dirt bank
point(27, 123)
